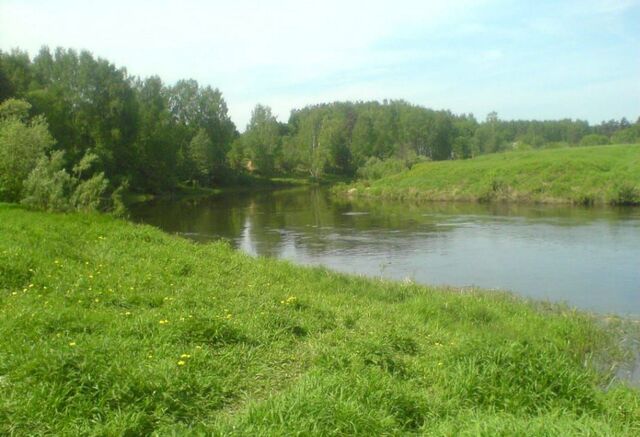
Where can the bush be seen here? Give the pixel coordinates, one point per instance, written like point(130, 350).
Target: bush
point(626, 194)
point(47, 186)
point(594, 140)
point(630, 135)
point(22, 143)
point(50, 187)
point(376, 168)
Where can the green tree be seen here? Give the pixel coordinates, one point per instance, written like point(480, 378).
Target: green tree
point(261, 141)
point(200, 157)
point(157, 143)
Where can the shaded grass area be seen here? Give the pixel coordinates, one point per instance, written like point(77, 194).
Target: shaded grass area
point(110, 328)
point(581, 175)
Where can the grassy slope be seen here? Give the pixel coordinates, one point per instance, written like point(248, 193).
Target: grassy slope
point(578, 175)
point(111, 328)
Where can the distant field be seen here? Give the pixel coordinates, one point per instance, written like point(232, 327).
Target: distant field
point(110, 328)
point(581, 175)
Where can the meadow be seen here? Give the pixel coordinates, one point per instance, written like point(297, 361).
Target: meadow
point(111, 328)
point(579, 175)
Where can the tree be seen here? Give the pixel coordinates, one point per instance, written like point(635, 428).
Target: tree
point(156, 145)
point(261, 141)
point(200, 158)
point(194, 108)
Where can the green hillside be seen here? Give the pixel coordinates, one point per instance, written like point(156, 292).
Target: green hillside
point(582, 175)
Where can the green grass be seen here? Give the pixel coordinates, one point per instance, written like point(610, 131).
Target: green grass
point(582, 175)
point(110, 328)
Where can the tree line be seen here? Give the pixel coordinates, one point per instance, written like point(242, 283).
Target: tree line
point(154, 137)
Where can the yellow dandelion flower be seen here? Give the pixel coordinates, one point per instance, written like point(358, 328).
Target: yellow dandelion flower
point(181, 363)
point(72, 344)
point(185, 356)
point(163, 322)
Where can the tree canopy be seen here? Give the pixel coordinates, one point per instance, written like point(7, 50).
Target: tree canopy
point(155, 137)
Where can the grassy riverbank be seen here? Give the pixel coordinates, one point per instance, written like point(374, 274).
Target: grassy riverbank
point(110, 328)
point(582, 175)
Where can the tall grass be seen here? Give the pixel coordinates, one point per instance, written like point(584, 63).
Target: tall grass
point(110, 328)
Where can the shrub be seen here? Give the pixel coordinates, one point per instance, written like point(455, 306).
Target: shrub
point(50, 187)
point(376, 168)
point(627, 136)
point(594, 140)
point(47, 186)
point(626, 194)
point(22, 143)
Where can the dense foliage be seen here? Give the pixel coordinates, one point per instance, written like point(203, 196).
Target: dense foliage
point(156, 137)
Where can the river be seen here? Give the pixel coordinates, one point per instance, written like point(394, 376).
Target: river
point(586, 257)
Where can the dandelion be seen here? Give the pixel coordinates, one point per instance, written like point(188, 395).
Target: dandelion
point(163, 322)
point(150, 356)
point(290, 300)
point(127, 313)
point(181, 363)
point(185, 356)
point(72, 344)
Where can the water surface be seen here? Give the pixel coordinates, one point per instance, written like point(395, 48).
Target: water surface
point(587, 257)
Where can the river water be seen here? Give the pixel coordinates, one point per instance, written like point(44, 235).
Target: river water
point(586, 257)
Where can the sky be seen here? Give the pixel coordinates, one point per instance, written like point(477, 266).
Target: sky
point(524, 59)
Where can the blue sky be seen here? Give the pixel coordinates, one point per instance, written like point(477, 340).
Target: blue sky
point(523, 59)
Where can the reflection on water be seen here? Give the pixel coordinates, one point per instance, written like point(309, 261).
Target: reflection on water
point(588, 257)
